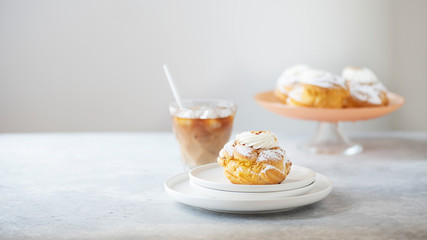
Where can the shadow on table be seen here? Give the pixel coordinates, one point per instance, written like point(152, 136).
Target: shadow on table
point(335, 203)
point(393, 148)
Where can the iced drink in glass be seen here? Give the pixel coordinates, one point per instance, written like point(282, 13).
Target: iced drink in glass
point(202, 127)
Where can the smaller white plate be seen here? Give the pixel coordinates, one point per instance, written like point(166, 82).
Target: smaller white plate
point(212, 176)
point(250, 195)
point(178, 187)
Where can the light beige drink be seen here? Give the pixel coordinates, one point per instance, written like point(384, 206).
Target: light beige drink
point(202, 128)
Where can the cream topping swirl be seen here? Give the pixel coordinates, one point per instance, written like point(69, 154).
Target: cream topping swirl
point(359, 75)
point(257, 139)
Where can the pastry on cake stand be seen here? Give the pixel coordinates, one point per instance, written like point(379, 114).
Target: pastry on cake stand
point(329, 138)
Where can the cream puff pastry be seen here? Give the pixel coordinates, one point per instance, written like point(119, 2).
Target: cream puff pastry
point(364, 87)
point(254, 158)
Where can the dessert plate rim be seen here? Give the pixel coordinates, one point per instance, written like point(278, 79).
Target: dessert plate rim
point(209, 192)
point(298, 177)
point(178, 187)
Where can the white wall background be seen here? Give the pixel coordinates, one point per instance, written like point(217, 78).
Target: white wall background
point(96, 65)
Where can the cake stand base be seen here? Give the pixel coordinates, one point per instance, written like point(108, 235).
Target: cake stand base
point(329, 139)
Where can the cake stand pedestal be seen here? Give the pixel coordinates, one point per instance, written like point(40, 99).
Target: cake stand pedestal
point(329, 138)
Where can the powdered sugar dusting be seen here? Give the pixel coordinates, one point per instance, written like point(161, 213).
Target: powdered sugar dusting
point(359, 75)
point(228, 147)
point(221, 153)
point(291, 76)
point(244, 150)
point(367, 92)
point(274, 155)
point(322, 79)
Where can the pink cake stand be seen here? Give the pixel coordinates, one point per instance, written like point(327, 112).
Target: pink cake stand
point(329, 138)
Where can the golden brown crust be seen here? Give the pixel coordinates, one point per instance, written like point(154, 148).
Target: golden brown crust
point(319, 97)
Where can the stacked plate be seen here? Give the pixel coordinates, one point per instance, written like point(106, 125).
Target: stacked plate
point(207, 187)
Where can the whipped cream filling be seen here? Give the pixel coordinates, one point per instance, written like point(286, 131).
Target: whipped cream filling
point(359, 75)
point(258, 139)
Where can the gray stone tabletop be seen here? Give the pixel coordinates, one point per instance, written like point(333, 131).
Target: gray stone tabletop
point(110, 186)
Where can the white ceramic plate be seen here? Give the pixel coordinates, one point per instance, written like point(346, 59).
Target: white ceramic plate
point(250, 195)
point(212, 176)
point(178, 187)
